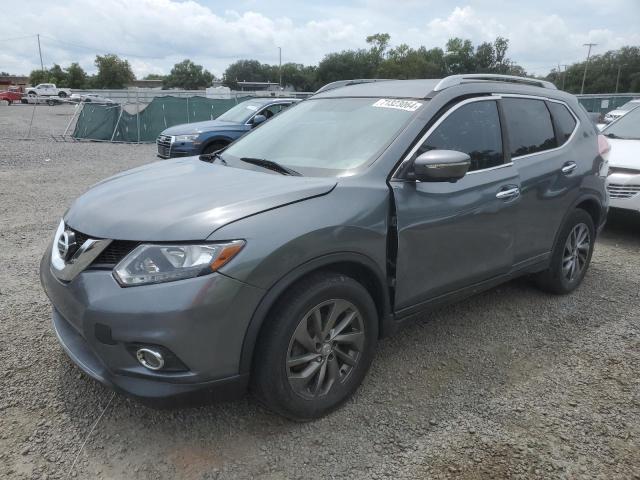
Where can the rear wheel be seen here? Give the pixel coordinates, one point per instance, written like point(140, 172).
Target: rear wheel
point(62, 94)
point(51, 103)
point(316, 347)
point(571, 255)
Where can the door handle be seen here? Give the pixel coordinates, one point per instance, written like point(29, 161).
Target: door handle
point(568, 167)
point(508, 192)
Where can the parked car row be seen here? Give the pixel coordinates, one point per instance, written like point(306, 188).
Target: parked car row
point(623, 182)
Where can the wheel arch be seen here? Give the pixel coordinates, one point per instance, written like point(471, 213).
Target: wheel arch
point(355, 265)
point(214, 139)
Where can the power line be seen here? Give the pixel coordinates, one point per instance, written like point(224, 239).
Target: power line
point(10, 39)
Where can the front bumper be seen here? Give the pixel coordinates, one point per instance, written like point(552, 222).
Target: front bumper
point(624, 190)
point(202, 321)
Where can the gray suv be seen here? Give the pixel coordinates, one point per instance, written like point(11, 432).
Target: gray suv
point(278, 263)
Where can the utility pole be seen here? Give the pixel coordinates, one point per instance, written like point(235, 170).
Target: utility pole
point(586, 64)
point(40, 52)
point(280, 67)
point(618, 76)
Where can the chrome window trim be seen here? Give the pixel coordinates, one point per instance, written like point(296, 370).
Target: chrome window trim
point(424, 137)
point(538, 97)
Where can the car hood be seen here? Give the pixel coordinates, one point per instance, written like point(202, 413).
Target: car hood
point(197, 127)
point(184, 199)
point(614, 113)
point(624, 153)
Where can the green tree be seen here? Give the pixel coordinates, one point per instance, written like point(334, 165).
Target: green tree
point(38, 76)
point(188, 75)
point(247, 71)
point(58, 76)
point(602, 72)
point(113, 72)
point(154, 76)
point(76, 76)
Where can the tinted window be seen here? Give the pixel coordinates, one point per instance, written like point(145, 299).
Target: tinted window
point(565, 122)
point(529, 124)
point(473, 129)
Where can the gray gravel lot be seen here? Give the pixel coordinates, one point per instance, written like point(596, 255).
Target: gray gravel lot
point(513, 383)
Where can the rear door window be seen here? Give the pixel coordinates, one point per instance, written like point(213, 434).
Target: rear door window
point(565, 122)
point(529, 124)
point(474, 129)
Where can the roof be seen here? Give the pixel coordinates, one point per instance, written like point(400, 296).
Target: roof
point(389, 88)
point(265, 100)
point(426, 88)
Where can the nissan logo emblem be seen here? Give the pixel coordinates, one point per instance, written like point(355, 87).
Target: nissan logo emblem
point(67, 245)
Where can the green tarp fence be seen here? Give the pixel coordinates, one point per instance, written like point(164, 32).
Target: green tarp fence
point(605, 103)
point(125, 124)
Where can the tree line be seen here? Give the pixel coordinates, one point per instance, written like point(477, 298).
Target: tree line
point(378, 60)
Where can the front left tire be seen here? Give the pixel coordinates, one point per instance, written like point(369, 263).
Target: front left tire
point(316, 347)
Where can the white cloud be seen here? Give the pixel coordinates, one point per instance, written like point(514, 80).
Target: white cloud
point(155, 34)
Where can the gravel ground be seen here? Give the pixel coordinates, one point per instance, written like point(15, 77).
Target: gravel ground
point(513, 383)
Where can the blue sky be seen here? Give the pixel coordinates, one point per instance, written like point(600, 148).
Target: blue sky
point(155, 34)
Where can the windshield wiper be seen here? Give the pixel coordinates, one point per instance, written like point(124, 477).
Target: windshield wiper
point(271, 165)
point(211, 157)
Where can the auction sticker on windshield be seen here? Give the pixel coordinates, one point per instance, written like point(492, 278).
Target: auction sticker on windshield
point(407, 105)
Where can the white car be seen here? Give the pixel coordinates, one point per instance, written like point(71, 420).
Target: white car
point(623, 182)
point(619, 112)
point(90, 98)
point(48, 90)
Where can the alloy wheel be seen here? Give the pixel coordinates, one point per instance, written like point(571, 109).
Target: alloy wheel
point(576, 252)
point(325, 348)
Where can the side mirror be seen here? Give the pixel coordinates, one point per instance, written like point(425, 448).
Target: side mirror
point(258, 119)
point(441, 166)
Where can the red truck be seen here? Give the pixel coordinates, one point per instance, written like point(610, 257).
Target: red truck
point(11, 95)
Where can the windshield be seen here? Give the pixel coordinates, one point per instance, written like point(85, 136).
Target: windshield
point(627, 126)
point(327, 136)
point(629, 105)
point(241, 112)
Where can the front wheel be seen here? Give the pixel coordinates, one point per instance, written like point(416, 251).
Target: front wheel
point(571, 255)
point(213, 147)
point(316, 347)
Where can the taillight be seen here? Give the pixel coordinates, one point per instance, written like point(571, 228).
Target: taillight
point(603, 150)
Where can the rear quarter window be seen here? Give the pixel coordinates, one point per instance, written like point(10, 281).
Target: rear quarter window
point(565, 122)
point(529, 125)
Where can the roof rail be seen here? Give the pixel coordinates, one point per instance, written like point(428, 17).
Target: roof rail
point(346, 83)
point(452, 80)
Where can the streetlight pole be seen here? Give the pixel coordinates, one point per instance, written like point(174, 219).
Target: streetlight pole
point(618, 76)
point(40, 52)
point(280, 66)
point(586, 64)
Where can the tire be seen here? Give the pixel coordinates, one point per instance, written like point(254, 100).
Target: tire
point(280, 384)
point(32, 92)
point(560, 277)
point(62, 94)
point(214, 147)
point(51, 103)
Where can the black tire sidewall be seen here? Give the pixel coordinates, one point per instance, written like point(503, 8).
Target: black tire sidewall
point(213, 147)
point(271, 374)
point(559, 283)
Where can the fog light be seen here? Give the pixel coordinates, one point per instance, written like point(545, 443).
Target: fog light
point(149, 358)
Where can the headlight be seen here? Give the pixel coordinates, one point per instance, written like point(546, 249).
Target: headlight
point(165, 263)
point(187, 138)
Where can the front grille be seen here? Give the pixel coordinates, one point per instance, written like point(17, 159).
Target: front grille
point(617, 190)
point(164, 145)
point(116, 251)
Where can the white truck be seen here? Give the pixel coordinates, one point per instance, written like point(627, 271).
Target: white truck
point(49, 90)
